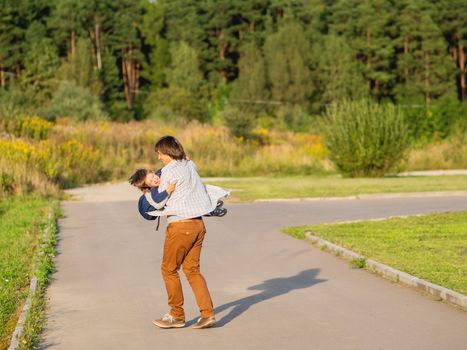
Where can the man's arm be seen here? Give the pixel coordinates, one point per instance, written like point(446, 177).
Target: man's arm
point(167, 177)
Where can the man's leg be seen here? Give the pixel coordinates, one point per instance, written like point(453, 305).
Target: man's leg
point(191, 268)
point(173, 255)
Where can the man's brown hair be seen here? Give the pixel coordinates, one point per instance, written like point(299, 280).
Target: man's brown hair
point(137, 179)
point(170, 146)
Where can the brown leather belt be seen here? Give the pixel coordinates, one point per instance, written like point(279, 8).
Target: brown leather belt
point(187, 220)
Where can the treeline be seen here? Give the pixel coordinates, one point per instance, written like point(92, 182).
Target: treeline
point(242, 61)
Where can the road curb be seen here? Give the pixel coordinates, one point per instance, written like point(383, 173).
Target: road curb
point(388, 272)
point(369, 196)
point(16, 337)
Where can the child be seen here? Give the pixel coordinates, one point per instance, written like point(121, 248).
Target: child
point(148, 182)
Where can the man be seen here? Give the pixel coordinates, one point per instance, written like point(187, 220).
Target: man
point(184, 235)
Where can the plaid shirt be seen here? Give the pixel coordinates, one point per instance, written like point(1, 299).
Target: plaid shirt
point(191, 197)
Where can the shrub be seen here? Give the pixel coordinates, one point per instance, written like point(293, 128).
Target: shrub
point(175, 103)
point(436, 121)
point(31, 127)
point(76, 102)
point(365, 138)
point(15, 100)
point(239, 122)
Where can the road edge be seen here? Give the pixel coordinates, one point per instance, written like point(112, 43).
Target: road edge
point(436, 291)
point(370, 196)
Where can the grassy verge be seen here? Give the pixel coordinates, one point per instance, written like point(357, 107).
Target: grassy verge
point(21, 225)
point(45, 266)
point(248, 189)
point(432, 247)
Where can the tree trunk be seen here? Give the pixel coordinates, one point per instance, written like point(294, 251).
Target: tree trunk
point(251, 27)
point(222, 50)
point(2, 76)
point(73, 43)
point(137, 77)
point(453, 52)
point(125, 82)
point(98, 46)
point(368, 57)
point(427, 77)
point(406, 52)
point(462, 70)
point(131, 73)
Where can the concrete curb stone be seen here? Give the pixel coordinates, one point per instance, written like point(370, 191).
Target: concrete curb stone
point(388, 272)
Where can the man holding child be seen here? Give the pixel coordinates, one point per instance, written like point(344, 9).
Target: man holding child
point(185, 232)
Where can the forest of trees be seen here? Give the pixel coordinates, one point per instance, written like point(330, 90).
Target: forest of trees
point(242, 59)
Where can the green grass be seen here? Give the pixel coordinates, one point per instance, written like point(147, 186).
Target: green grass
point(45, 266)
point(432, 247)
point(252, 188)
point(21, 222)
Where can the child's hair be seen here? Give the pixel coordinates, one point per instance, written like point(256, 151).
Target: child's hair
point(170, 146)
point(137, 179)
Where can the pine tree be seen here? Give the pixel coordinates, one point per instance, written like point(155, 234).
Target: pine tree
point(425, 69)
point(112, 89)
point(41, 62)
point(339, 77)
point(451, 17)
point(250, 87)
point(287, 55)
point(157, 57)
point(367, 26)
point(68, 21)
point(12, 32)
point(184, 70)
point(80, 68)
point(220, 20)
point(126, 45)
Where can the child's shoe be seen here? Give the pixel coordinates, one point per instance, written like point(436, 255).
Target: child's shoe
point(218, 212)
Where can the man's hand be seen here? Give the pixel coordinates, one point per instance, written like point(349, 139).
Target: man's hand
point(170, 187)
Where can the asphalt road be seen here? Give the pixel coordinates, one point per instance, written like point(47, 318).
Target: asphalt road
point(271, 291)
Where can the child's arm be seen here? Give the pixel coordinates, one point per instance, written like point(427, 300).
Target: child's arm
point(159, 198)
point(144, 207)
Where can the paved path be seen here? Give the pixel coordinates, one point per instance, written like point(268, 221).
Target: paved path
point(271, 291)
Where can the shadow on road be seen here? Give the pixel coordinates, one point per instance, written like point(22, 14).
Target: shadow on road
point(269, 289)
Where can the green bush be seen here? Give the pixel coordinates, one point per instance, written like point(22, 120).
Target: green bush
point(175, 104)
point(76, 102)
point(240, 122)
point(436, 121)
point(15, 100)
point(365, 138)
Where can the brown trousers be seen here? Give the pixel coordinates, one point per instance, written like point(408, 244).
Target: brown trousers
point(182, 247)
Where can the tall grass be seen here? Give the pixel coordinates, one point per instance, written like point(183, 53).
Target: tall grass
point(40, 156)
point(446, 154)
point(89, 152)
point(126, 146)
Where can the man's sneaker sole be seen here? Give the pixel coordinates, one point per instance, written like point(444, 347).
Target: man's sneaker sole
point(178, 325)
